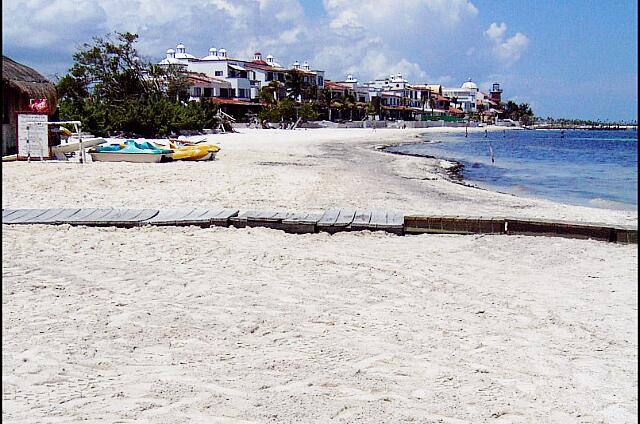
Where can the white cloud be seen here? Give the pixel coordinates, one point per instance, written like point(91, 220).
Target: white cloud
point(510, 50)
point(366, 38)
point(375, 38)
point(496, 32)
point(513, 48)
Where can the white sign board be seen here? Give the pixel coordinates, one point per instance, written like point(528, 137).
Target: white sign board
point(33, 139)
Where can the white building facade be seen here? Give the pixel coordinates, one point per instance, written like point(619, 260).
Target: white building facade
point(465, 97)
point(245, 78)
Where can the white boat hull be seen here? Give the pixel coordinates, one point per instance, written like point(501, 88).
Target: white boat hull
point(129, 157)
point(74, 146)
point(209, 156)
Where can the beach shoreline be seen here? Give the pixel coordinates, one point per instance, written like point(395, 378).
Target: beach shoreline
point(300, 170)
point(255, 325)
point(454, 168)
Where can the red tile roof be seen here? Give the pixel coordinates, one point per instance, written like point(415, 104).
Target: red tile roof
point(439, 98)
point(263, 66)
point(225, 101)
point(397, 107)
point(334, 85)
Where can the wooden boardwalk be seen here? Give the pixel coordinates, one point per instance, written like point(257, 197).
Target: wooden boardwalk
point(331, 221)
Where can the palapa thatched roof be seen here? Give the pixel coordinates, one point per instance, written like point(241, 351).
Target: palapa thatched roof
point(28, 82)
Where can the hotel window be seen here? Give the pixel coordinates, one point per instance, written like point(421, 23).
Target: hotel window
point(269, 76)
point(197, 92)
point(208, 92)
point(218, 73)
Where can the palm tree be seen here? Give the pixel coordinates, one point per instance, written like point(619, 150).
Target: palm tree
point(296, 87)
point(269, 93)
point(324, 101)
point(349, 102)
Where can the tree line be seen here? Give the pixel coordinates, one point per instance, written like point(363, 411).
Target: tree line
point(112, 90)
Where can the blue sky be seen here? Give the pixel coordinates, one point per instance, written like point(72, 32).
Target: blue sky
point(567, 58)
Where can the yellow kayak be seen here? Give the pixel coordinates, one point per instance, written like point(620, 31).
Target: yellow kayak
point(194, 152)
point(197, 152)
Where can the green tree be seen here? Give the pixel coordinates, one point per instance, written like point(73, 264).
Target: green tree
point(307, 112)
point(296, 87)
point(110, 88)
point(269, 94)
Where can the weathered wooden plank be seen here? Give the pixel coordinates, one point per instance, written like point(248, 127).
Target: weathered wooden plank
point(301, 222)
point(262, 216)
point(168, 216)
point(17, 213)
point(345, 217)
point(361, 220)
point(281, 216)
point(50, 216)
point(295, 217)
point(395, 218)
point(529, 227)
point(328, 218)
point(222, 218)
point(118, 215)
point(378, 218)
point(61, 217)
point(24, 218)
point(146, 214)
point(582, 231)
point(198, 216)
point(395, 222)
point(79, 215)
point(304, 218)
point(626, 234)
point(268, 219)
point(8, 212)
point(125, 217)
point(90, 218)
point(240, 221)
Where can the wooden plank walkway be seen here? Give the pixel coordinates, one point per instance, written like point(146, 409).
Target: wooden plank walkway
point(331, 220)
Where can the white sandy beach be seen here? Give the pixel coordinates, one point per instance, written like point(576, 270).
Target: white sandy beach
point(255, 325)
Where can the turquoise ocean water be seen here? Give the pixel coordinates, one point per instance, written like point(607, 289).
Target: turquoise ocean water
point(591, 168)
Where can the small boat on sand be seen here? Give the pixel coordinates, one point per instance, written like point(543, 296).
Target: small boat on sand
point(131, 151)
point(191, 152)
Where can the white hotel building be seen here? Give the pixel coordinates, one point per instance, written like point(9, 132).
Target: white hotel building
point(234, 78)
point(466, 96)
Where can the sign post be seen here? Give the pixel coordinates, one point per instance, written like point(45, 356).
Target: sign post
point(33, 136)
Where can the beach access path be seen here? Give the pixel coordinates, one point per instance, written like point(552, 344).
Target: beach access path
point(254, 325)
point(303, 170)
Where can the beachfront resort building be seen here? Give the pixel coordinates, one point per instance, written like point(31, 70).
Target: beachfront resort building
point(464, 97)
point(236, 83)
